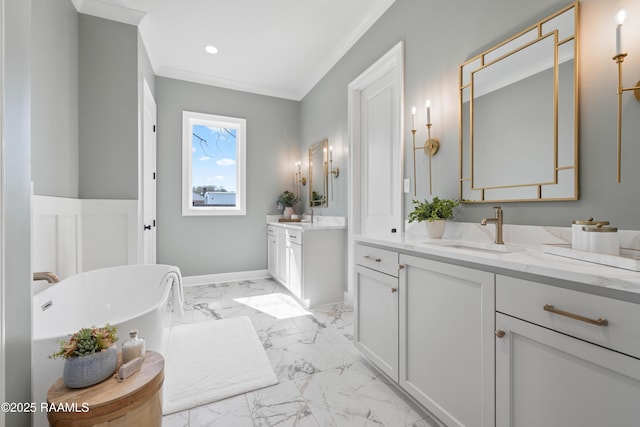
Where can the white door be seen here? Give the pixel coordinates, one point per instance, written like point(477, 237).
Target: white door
point(376, 150)
point(149, 177)
point(380, 173)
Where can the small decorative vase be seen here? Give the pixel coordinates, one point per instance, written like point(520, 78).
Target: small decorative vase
point(288, 211)
point(86, 371)
point(435, 229)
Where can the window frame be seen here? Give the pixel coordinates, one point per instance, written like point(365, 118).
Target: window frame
point(191, 118)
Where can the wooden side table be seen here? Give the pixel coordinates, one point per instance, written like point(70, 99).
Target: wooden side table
point(136, 401)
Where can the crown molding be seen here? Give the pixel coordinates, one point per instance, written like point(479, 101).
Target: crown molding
point(126, 11)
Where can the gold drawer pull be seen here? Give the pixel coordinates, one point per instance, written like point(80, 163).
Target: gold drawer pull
point(600, 322)
point(372, 259)
point(394, 290)
point(500, 333)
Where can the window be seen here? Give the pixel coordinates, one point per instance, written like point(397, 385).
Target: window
point(213, 164)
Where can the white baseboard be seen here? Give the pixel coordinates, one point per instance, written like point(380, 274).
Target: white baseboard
point(224, 277)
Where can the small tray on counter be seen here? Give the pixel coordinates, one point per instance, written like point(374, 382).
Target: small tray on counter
point(289, 220)
point(629, 259)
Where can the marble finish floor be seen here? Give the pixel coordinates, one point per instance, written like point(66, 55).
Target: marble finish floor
point(323, 380)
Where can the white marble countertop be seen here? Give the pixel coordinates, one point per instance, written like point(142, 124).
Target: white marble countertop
point(319, 223)
point(516, 257)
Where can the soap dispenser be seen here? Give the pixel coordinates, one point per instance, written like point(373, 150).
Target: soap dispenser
point(133, 347)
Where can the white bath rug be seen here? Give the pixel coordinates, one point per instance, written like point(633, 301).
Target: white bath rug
point(213, 360)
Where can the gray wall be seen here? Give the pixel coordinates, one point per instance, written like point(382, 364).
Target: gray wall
point(54, 103)
point(108, 89)
point(439, 36)
point(206, 245)
point(16, 300)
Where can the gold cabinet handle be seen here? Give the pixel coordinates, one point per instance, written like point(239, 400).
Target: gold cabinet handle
point(500, 333)
point(400, 266)
point(394, 290)
point(372, 259)
point(600, 322)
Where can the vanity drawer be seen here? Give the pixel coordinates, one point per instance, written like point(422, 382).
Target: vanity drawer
point(294, 236)
point(271, 230)
point(527, 300)
point(377, 259)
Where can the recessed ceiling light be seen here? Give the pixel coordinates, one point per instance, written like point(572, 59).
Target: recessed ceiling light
point(211, 49)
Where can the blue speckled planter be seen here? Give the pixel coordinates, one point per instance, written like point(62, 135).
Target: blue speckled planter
point(86, 371)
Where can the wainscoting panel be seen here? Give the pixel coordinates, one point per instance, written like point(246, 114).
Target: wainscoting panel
point(109, 233)
point(70, 236)
point(56, 235)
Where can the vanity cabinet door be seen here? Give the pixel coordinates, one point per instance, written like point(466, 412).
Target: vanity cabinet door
point(545, 378)
point(447, 340)
point(272, 252)
point(376, 318)
point(294, 266)
point(281, 249)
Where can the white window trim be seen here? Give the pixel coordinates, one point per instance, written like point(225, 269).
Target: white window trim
point(190, 118)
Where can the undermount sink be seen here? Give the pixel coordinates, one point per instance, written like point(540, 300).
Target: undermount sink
point(473, 246)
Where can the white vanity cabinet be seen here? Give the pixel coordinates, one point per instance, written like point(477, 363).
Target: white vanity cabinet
point(575, 363)
point(308, 261)
point(447, 341)
point(376, 307)
point(429, 326)
point(276, 253)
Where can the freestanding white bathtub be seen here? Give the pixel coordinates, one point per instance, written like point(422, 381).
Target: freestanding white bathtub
point(131, 297)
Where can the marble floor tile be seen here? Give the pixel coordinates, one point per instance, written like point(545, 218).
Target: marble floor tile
point(324, 380)
point(388, 405)
point(232, 411)
point(179, 419)
point(280, 405)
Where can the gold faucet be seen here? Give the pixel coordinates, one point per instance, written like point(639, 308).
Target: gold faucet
point(46, 275)
point(498, 222)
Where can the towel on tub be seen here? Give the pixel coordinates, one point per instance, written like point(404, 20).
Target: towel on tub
point(178, 293)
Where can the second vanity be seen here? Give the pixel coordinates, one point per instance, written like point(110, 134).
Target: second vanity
point(308, 258)
point(500, 335)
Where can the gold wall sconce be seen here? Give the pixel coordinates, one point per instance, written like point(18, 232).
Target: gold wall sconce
point(334, 171)
point(430, 147)
point(619, 58)
point(299, 179)
point(328, 167)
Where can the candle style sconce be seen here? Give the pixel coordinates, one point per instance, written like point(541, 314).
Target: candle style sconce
point(430, 147)
point(619, 58)
point(299, 179)
point(328, 167)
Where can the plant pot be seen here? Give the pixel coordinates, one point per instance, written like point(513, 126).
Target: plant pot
point(86, 371)
point(435, 229)
point(288, 211)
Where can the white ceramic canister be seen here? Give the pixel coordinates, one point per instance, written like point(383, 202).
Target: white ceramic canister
point(578, 236)
point(602, 239)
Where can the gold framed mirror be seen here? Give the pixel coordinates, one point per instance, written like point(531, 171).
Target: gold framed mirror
point(318, 174)
point(519, 115)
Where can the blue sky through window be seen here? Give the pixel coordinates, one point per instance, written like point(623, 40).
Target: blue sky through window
point(214, 152)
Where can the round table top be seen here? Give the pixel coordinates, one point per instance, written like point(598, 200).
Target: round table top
point(108, 399)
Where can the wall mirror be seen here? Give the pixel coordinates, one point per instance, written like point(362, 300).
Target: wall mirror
point(519, 115)
point(318, 177)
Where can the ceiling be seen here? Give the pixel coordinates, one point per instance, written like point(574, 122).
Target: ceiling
point(279, 48)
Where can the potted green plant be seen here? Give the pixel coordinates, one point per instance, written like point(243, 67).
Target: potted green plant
point(435, 213)
point(288, 200)
point(90, 356)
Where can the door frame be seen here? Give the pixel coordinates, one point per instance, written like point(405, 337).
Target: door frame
point(392, 61)
point(2, 218)
point(147, 98)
